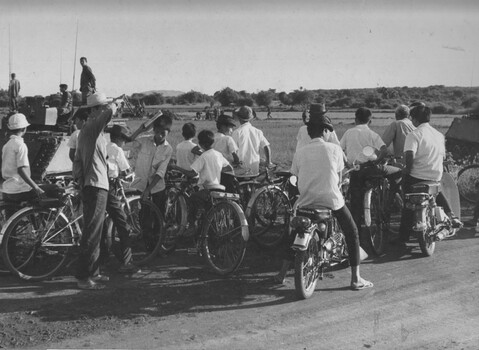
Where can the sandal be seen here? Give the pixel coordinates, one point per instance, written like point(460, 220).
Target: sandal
point(361, 284)
point(89, 284)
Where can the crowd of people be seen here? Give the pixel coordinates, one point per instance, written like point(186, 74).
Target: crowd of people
point(318, 163)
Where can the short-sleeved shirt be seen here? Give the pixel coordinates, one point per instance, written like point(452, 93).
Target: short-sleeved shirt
point(428, 148)
point(225, 145)
point(184, 156)
point(14, 156)
point(355, 139)
point(208, 166)
point(117, 161)
point(396, 133)
point(90, 166)
point(152, 160)
point(249, 141)
point(73, 141)
point(303, 137)
point(317, 166)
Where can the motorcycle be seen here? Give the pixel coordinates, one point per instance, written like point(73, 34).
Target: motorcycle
point(319, 244)
point(431, 222)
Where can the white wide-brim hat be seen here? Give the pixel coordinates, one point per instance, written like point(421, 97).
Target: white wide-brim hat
point(96, 99)
point(17, 121)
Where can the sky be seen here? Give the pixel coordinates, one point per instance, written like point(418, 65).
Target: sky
point(136, 46)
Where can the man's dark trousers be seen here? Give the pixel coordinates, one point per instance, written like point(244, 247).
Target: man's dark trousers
point(94, 206)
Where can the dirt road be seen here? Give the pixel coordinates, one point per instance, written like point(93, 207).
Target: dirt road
point(417, 303)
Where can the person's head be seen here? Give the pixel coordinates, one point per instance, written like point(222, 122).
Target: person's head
point(188, 131)
point(318, 125)
point(161, 128)
point(96, 103)
point(83, 61)
point(420, 114)
point(63, 87)
point(17, 124)
point(80, 118)
point(206, 138)
point(225, 124)
point(363, 116)
point(402, 112)
point(244, 114)
point(315, 110)
point(119, 135)
point(13, 75)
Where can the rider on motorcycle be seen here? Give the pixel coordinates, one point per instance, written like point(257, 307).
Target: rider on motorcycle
point(318, 166)
point(424, 151)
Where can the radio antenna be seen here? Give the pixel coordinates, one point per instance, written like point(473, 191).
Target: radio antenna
point(75, 60)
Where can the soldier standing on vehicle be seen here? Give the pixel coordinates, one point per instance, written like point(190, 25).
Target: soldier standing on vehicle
point(87, 81)
point(66, 105)
point(13, 90)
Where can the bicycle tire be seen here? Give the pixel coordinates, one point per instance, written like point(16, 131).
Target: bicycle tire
point(31, 250)
point(176, 218)
point(223, 237)
point(468, 183)
point(3, 219)
point(146, 231)
point(376, 232)
point(268, 214)
point(426, 242)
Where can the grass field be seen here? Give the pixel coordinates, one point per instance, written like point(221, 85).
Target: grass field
point(281, 132)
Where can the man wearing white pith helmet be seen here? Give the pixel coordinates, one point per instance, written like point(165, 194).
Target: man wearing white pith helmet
point(91, 171)
point(18, 184)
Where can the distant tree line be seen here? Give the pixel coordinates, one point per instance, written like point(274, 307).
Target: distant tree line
point(442, 99)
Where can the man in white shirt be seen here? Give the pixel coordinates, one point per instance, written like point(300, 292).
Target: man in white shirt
point(353, 142)
point(424, 151)
point(318, 166)
point(396, 131)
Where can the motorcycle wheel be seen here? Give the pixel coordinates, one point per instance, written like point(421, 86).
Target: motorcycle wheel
point(426, 242)
point(306, 265)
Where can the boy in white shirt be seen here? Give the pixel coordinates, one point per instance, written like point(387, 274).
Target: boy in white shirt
point(18, 185)
point(185, 155)
point(224, 143)
point(250, 140)
point(208, 167)
point(118, 165)
point(318, 166)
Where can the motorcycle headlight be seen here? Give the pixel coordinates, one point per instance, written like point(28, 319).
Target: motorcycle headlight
point(300, 222)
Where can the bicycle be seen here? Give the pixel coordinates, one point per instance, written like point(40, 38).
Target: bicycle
point(37, 239)
point(269, 208)
point(222, 225)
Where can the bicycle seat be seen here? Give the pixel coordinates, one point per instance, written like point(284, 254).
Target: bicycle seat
point(321, 213)
point(49, 203)
point(429, 187)
point(246, 177)
point(132, 191)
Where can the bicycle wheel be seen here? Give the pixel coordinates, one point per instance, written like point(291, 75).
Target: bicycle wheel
point(145, 243)
point(426, 241)
point(306, 265)
point(468, 183)
point(3, 219)
point(268, 215)
point(176, 218)
point(224, 236)
point(376, 231)
point(36, 243)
